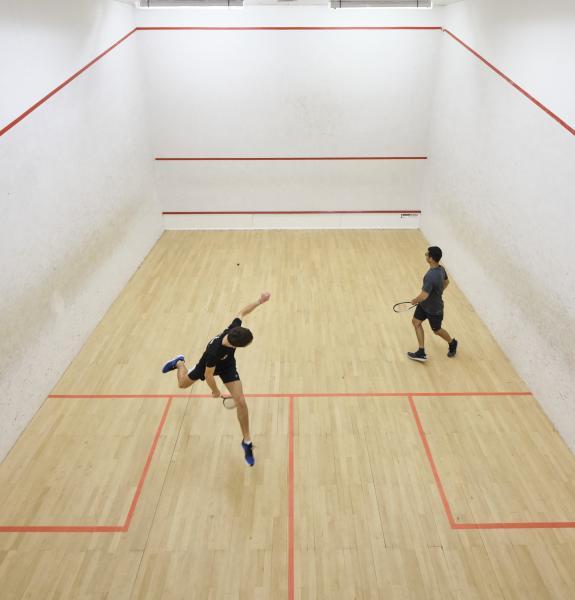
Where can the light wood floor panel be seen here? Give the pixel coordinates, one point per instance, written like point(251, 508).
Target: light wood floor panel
point(499, 459)
point(369, 522)
point(221, 523)
point(80, 464)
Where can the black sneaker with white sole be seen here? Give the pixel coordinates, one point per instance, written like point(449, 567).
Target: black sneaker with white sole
point(419, 355)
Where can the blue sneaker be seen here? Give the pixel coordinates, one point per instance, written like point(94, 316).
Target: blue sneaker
point(249, 453)
point(171, 364)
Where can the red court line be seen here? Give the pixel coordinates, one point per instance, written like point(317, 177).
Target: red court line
point(300, 395)
point(283, 158)
point(391, 28)
point(291, 537)
point(100, 528)
point(526, 525)
point(561, 122)
point(398, 28)
point(62, 85)
point(442, 494)
point(61, 529)
point(293, 212)
point(453, 524)
point(147, 465)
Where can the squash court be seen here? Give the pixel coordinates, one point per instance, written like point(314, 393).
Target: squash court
point(376, 476)
point(166, 163)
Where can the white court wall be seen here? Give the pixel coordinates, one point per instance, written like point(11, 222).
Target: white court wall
point(499, 194)
point(79, 212)
point(313, 93)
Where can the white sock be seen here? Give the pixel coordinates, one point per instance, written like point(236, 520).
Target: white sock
point(246, 442)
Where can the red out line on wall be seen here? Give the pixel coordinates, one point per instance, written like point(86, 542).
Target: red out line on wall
point(561, 122)
point(391, 28)
point(62, 85)
point(27, 112)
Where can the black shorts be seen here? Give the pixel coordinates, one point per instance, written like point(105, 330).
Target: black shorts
point(434, 320)
point(226, 371)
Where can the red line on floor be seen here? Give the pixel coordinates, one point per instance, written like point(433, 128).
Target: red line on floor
point(100, 528)
point(301, 395)
point(526, 525)
point(61, 529)
point(128, 396)
point(438, 483)
point(561, 122)
point(453, 524)
point(147, 466)
point(291, 468)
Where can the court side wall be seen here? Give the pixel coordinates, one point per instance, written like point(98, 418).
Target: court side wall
point(292, 93)
point(78, 208)
point(499, 194)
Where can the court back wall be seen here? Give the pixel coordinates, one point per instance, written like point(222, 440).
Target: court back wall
point(499, 194)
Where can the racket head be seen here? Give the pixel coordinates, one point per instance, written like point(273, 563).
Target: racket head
point(403, 306)
point(229, 403)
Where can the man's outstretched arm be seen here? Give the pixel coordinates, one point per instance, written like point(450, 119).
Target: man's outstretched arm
point(264, 297)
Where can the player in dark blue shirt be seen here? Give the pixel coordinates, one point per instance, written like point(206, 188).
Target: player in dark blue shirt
point(219, 359)
point(430, 305)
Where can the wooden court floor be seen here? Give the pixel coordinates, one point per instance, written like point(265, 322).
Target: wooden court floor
point(375, 477)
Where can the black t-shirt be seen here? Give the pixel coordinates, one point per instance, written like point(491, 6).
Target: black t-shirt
point(216, 352)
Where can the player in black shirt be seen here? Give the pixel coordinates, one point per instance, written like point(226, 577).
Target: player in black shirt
point(218, 359)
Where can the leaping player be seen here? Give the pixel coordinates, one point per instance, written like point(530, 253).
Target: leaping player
point(218, 359)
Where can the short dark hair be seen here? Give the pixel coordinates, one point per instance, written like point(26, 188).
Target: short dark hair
point(435, 253)
point(240, 337)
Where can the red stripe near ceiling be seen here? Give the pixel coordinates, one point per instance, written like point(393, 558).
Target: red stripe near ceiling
point(539, 104)
point(62, 85)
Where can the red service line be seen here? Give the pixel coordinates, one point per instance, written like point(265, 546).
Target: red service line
point(283, 158)
point(135, 499)
point(301, 395)
point(294, 212)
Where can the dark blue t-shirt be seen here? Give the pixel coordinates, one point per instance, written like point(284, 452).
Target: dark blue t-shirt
point(433, 284)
